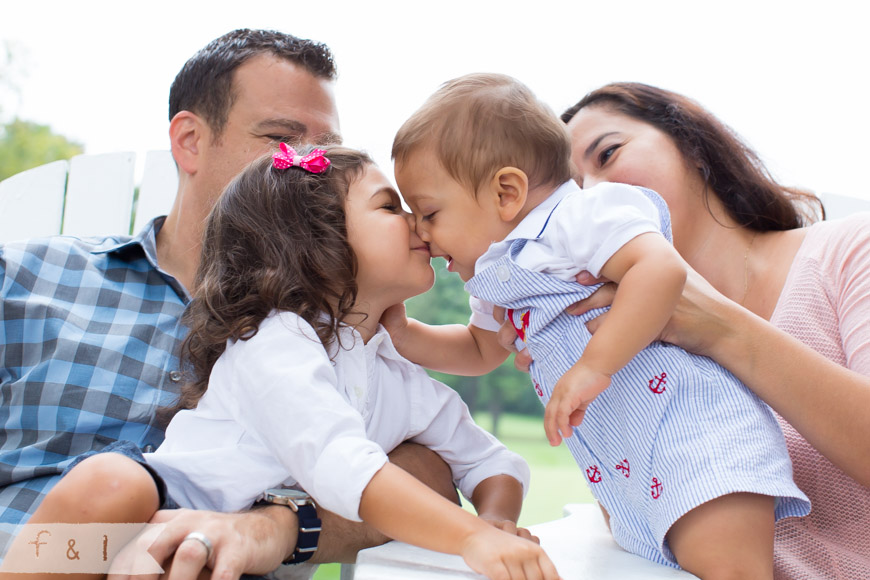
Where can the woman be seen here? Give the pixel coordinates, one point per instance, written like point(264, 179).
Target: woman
point(782, 304)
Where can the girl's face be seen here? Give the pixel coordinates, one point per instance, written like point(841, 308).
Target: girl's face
point(393, 262)
point(610, 146)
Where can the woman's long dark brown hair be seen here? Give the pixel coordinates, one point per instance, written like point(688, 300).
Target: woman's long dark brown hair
point(275, 240)
point(732, 170)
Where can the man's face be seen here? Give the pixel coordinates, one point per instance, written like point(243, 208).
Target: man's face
point(276, 101)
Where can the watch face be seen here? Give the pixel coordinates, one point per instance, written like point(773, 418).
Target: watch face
point(288, 496)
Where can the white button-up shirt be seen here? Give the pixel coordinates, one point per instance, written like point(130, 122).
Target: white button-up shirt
point(279, 412)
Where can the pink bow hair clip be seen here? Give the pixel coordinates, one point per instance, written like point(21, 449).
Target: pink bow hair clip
point(314, 162)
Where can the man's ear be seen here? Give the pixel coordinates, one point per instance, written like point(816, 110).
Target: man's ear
point(511, 186)
point(187, 132)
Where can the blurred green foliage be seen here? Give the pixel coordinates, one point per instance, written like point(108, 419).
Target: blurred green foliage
point(24, 144)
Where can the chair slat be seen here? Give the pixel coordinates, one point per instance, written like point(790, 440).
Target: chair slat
point(99, 197)
point(31, 202)
point(158, 189)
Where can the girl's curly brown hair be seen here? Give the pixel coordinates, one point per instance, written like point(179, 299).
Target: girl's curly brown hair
point(275, 240)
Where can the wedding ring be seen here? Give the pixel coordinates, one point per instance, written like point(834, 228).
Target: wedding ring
point(202, 539)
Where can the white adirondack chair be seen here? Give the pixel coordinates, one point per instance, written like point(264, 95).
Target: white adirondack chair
point(87, 195)
point(94, 194)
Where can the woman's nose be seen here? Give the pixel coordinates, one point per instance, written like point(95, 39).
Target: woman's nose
point(590, 180)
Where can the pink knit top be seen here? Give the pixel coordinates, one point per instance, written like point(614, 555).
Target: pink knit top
point(826, 304)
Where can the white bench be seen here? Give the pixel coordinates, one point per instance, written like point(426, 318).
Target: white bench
point(579, 544)
point(94, 194)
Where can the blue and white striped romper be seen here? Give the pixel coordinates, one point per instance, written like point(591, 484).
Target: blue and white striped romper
point(673, 430)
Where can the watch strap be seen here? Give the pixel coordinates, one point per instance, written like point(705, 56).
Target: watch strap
point(309, 534)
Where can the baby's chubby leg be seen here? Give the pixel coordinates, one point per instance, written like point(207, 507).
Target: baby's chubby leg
point(104, 488)
point(728, 537)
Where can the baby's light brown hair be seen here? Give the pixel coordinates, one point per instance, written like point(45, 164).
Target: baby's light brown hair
point(479, 123)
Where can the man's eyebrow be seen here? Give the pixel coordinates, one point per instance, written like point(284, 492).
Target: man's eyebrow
point(288, 125)
point(595, 143)
point(328, 138)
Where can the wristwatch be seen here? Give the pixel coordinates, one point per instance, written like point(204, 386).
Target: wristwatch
point(309, 524)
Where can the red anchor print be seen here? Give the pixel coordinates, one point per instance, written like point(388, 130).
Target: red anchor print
point(624, 467)
point(660, 382)
point(656, 488)
point(524, 326)
point(593, 473)
point(538, 389)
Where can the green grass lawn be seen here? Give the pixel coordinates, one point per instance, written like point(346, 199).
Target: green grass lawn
point(556, 479)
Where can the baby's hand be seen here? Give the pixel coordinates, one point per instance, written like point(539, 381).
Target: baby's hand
point(572, 395)
point(501, 556)
point(510, 527)
point(395, 320)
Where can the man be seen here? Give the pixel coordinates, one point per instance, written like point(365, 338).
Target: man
point(90, 328)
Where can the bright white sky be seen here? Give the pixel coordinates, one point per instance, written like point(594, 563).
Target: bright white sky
point(786, 75)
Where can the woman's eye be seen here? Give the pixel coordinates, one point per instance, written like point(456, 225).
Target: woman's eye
point(606, 154)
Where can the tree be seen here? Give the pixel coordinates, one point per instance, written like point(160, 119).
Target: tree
point(24, 144)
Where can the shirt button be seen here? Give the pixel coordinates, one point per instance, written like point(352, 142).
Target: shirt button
point(503, 273)
point(175, 376)
point(148, 449)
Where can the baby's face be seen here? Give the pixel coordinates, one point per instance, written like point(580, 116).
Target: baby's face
point(458, 226)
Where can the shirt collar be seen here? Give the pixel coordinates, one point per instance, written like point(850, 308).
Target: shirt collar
point(529, 228)
point(379, 344)
point(146, 239)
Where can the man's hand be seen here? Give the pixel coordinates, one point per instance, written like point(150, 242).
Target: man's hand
point(253, 542)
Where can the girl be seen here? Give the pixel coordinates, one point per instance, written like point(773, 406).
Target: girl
point(295, 384)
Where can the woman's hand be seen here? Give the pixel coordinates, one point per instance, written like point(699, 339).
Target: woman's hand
point(701, 316)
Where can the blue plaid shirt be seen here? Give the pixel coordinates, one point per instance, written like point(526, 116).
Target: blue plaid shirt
point(89, 331)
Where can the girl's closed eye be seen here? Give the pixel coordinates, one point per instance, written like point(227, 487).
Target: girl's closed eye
point(428, 217)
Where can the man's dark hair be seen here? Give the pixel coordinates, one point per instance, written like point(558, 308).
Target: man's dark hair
point(205, 83)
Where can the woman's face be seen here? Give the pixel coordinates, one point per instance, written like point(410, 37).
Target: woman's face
point(610, 146)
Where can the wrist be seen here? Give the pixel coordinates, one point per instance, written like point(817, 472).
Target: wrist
point(284, 528)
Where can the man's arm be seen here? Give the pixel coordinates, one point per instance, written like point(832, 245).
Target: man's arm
point(257, 541)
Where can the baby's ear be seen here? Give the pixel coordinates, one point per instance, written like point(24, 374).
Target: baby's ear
point(511, 186)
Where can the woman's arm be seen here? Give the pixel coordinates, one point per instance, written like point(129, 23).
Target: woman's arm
point(826, 403)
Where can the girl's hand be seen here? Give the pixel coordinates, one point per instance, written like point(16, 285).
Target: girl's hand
point(501, 556)
point(395, 320)
point(572, 395)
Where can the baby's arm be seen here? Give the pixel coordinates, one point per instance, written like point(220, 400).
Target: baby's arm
point(448, 348)
point(403, 508)
point(651, 275)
